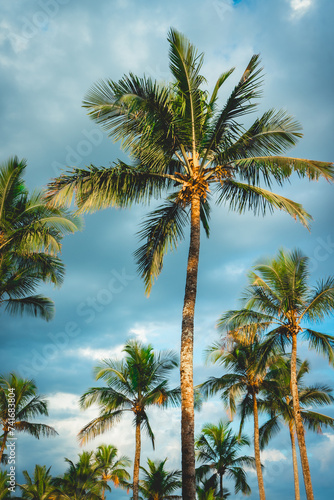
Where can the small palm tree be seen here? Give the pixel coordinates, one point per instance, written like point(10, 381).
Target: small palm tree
point(240, 388)
point(81, 481)
point(280, 299)
point(38, 487)
point(133, 385)
point(28, 404)
point(280, 407)
point(159, 483)
point(112, 468)
point(218, 449)
point(183, 147)
point(30, 240)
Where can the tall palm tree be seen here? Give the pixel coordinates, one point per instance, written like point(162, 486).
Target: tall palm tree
point(30, 240)
point(280, 297)
point(240, 388)
point(159, 483)
point(38, 487)
point(279, 405)
point(218, 449)
point(17, 410)
point(134, 384)
point(81, 481)
point(183, 146)
point(112, 468)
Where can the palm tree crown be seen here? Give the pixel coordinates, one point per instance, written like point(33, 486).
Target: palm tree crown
point(134, 384)
point(28, 404)
point(218, 449)
point(158, 483)
point(112, 468)
point(38, 487)
point(30, 240)
point(183, 147)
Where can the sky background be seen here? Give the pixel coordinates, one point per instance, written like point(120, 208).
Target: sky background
point(51, 52)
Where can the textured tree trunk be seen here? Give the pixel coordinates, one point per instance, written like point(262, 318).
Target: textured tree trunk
point(4, 439)
point(257, 450)
point(136, 462)
point(186, 361)
point(294, 461)
point(299, 422)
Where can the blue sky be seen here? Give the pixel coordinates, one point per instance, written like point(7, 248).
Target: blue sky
point(51, 52)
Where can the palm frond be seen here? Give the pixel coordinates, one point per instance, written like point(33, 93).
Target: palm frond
point(162, 229)
point(35, 305)
point(242, 197)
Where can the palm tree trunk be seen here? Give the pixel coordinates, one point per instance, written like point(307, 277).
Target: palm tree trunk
point(186, 358)
point(136, 462)
point(298, 421)
point(221, 486)
point(5, 434)
point(257, 449)
point(294, 461)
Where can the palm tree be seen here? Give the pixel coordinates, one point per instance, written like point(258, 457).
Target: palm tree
point(4, 491)
point(112, 468)
point(133, 385)
point(279, 405)
point(158, 483)
point(218, 449)
point(279, 297)
point(240, 387)
point(38, 487)
point(19, 403)
point(30, 240)
point(81, 481)
point(182, 146)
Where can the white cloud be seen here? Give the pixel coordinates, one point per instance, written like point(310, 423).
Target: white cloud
point(272, 456)
point(96, 354)
point(300, 7)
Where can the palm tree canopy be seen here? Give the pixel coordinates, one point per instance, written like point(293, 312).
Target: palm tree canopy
point(134, 384)
point(28, 404)
point(159, 483)
point(38, 487)
point(112, 468)
point(218, 448)
point(30, 240)
point(81, 480)
point(182, 144)
point(279, 299)
point(278, 401)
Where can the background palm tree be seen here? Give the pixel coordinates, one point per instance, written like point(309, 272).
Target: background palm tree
point(28, 404)
point(112, 468)
point(280, 407)
point(279, 297)
point(38, 487)
point(4, 491)
point(183, 146)
point(246, 365)
point(159, 483)
point(30, 240)
point(218, 449)
point(134, 384)
point(81, 481)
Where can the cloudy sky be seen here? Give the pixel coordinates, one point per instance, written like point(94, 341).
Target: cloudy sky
point(51, 52)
